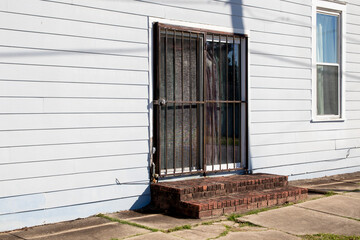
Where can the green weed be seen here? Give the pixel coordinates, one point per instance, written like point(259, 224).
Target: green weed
point(178, 228)
point(327, 236)
point(330, 193)
point(127, 222)
point(234, 216)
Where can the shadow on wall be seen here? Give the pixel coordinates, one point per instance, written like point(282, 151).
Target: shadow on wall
point(237, 15)
point(143, 200)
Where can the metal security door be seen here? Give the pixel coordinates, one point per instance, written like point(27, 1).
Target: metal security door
point(200, 107)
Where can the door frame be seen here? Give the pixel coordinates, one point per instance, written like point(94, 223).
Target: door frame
point(153, 143)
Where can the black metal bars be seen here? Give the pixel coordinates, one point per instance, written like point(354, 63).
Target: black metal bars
point(199, 132)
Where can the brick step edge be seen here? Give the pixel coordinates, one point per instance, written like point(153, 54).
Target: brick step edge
point(210, 187)
point(240, 202)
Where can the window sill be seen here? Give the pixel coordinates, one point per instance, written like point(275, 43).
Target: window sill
point(320, 120)
point(344, 2)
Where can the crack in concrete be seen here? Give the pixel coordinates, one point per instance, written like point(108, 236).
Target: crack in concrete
point(333, 214)
point(66, 231)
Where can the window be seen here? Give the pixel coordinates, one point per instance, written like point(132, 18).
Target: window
point(200, 101)
point(328, 63)
point(328, 60)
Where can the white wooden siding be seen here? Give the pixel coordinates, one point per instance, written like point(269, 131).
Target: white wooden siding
point(75, 102)
point(74, 112)
point(293, 145)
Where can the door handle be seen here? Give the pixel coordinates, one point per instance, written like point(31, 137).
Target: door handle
point(161, 102)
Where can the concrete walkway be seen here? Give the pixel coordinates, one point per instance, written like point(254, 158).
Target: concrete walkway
point(332, 213)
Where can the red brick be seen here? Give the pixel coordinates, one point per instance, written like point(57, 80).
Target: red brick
point(252, 206)
point(204, 207)
point(218, 212)
point(186, 196)
point(228, 210)
point(241, 208)
point(281, 201)
point(271, 202)
point(179, 195)
point(291, 199)
point(302, 196)
point(262, 204)
point(220, 192)
point(205, 214)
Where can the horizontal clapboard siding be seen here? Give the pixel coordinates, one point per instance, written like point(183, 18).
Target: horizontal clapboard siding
point(75, 103)
point(288, 142)
point(74, 112)
point(351, 144)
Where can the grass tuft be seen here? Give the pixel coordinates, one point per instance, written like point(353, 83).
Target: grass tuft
point(127, 222)
point(355, 190)
point(234, 216)
point(224, 233)
point(208, 223)
point(178, 228)
point(327, 236)
point(248, 224)
point(330, 193)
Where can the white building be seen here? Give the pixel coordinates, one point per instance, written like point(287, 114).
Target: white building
point(79, 79)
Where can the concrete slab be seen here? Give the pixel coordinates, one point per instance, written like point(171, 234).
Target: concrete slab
point(353, 194)
point(338, 183)
point(160, 221)
point(312, 196)
point(201, 232)
point(260, 235)
point(325, 180)
point(113, 231)
point(82, 229)
point(300, 221)
point(155, 236)
point(353, 180)
point(339, 187)
point(124, 215)
point(5, 236)
point(50, 229)
point(339, 205)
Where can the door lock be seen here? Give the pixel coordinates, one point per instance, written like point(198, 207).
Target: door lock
point(161, 102)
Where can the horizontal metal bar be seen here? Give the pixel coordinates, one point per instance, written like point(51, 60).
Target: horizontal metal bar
point(199, 172)
point(157, 102)
point(200, 30)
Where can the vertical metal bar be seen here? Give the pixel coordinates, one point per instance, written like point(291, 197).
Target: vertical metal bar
point(234, 84)
point(174, 96)
point(246, 102)
point(205, 93)
point(240, 104)
point(182, 99)
point(227, 98)
point(190, 98)
point(157, 115)
point(165, 88)
point(219, 126)
point(213, 104)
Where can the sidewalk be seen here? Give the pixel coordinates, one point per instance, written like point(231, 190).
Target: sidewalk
point(337, 212)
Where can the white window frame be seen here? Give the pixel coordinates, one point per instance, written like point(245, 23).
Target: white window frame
point(338, 8)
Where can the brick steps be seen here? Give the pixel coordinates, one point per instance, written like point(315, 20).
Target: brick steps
point(214, 196)
point(241, 202)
